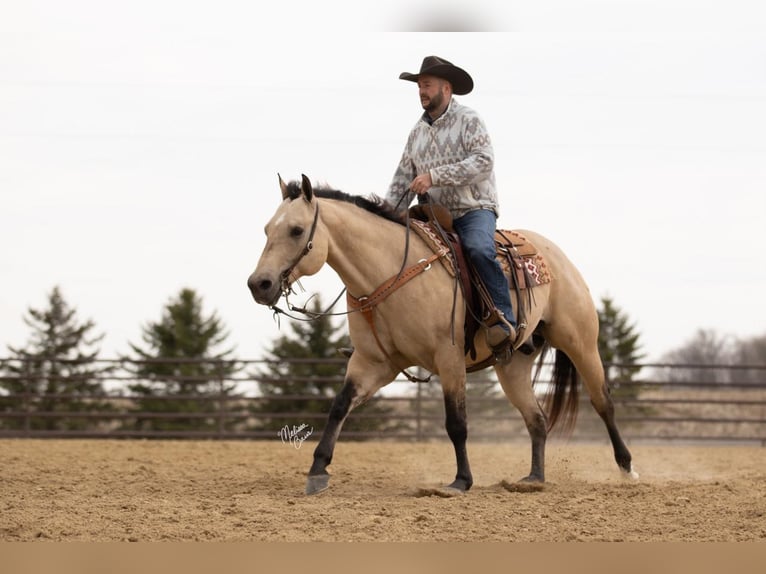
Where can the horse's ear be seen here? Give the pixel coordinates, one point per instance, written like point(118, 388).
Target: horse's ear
point(283, 187)
point(308, 192)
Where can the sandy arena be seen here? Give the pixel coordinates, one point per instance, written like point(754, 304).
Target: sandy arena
point(54, 490)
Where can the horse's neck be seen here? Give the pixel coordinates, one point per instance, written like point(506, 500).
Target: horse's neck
point(365, 249)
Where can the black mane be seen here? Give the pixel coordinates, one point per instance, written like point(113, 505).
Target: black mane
point(373, 203)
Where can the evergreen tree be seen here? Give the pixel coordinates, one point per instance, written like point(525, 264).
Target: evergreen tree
point(56, 372)
point(619, 347)
point(181, 368)
point(303, 374)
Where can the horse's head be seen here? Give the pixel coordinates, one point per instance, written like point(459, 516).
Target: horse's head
point(294, 245)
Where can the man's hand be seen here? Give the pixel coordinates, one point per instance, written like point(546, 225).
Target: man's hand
point(422, 183)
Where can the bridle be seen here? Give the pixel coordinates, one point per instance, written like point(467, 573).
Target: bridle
point(284, 283)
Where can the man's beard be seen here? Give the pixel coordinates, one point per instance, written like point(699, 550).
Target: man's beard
point(434, 103)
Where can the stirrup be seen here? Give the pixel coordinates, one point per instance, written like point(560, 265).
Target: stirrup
point(498, 336)
point(499, 330)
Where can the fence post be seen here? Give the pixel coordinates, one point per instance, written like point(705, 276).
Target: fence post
point(27, 399)
point(222, 402)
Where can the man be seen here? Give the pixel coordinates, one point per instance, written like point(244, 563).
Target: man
point(449, 155)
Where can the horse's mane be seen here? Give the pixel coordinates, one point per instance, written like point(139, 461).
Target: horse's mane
point(374, 204)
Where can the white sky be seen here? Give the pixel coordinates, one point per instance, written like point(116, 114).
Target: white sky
point(140, 144)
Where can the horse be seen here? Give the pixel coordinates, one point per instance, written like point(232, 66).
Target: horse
point(366, 242)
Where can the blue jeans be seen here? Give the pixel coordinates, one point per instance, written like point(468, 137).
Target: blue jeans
point(476, 230)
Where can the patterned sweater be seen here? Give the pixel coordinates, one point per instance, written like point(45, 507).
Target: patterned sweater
point(457, 151)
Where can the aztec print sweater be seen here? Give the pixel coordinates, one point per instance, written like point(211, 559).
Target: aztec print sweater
point(457, 151)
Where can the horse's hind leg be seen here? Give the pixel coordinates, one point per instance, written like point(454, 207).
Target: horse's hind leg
point(581, 347)
point(515, 378)
point(591, 370)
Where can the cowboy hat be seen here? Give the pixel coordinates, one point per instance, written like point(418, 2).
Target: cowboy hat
point(462, 83)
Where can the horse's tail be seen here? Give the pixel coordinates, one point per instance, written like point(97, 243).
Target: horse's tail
point(562, 397)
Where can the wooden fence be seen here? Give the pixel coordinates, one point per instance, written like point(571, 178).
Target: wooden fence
point(724, 403)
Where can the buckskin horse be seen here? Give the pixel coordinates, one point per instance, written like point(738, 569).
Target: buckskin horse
point(402, 314)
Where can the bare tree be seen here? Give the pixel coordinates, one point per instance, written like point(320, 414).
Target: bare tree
point(702, 359)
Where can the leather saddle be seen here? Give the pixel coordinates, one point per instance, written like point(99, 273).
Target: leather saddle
point(515, 253)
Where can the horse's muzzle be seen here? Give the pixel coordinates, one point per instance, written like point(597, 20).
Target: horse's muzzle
point(264, 289)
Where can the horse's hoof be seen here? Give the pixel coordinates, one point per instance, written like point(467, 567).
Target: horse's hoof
point(461, 485)
point(629, 474)
point(524, 485)
point(317, 483)
point(533, 478)
point(440, 491)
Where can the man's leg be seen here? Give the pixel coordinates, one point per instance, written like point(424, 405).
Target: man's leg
point(477, 234)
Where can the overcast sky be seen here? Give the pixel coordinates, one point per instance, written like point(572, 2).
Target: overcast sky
point(140, 145)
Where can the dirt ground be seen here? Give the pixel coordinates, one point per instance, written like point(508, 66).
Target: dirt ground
point(253, 491)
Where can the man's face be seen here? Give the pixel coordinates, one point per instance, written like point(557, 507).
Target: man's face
point(432, 92)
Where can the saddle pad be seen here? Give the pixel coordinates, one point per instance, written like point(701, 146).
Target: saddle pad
point(508, 237)
point(515, 249)
point(434, 241)
point(509, 244)
point(535, 267)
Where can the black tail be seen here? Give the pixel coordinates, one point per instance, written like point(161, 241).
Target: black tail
point(562, 399)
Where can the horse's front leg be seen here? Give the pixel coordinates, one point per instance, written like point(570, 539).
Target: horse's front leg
point(362, 381)
point(319, 478)
point(457, 428)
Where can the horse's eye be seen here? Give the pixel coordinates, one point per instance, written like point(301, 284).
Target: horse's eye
point(296, 231)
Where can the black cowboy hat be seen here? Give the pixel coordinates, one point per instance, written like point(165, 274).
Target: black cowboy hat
point(462, 83)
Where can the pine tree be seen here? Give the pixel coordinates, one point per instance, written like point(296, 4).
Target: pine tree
point(309, 384)
point(56, 373)
point(619, 347)
point(182, 368)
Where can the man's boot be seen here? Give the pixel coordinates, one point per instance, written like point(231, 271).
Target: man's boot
point(500, 333)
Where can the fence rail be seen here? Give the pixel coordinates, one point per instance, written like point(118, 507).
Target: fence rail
point(120, 398)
